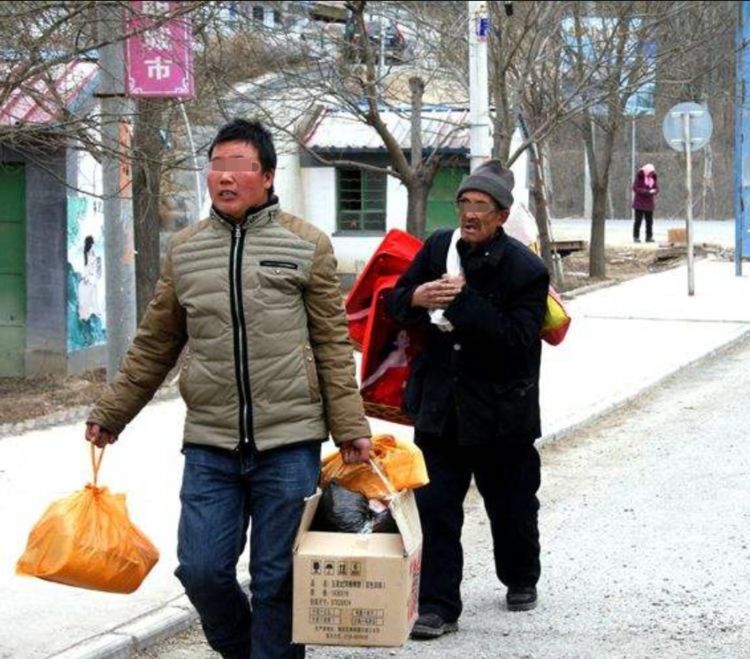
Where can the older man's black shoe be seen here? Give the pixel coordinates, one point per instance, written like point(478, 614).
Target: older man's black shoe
point(432, 625)
point(521, 598)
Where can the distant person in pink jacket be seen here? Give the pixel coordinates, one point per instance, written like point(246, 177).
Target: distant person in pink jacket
point(645, 189)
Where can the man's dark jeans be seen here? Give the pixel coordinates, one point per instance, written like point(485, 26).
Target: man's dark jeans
point(220, 494)
point(507, 478)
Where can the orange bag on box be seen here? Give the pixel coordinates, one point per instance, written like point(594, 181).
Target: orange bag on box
point(87, 540)
point(402, 464)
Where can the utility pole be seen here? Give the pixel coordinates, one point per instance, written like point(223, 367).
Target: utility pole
point(119, 251)
point(687, 127)
point(480, 136)
point(689, 201)
point(742, 138)
point(632, 161)
point(196, 216)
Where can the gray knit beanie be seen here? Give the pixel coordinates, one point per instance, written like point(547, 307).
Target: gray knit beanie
point(493, 179)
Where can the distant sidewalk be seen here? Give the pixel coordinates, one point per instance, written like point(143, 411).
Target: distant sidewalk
point(620, 231)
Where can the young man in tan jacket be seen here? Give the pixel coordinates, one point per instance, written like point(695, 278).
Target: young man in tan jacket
point(253, 292)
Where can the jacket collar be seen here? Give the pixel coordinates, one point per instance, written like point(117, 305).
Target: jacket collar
point(255, 217)
point(491, 252)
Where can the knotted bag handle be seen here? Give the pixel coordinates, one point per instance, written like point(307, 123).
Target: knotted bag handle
point(96, 462)
point(373, 465)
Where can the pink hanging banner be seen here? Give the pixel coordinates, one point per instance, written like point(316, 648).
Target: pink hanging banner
point(159, 59)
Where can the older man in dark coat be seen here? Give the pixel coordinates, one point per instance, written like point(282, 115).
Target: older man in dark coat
point(474, 394)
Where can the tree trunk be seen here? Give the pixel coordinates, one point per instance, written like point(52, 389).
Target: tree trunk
point(419, 183)
point(416, 208)
point(541, 213)
point(502, 119)
point(597, 258)
point(147, 151)
point(600, 167)
point(416, 86)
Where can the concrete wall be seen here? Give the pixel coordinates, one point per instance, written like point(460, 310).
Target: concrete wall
point(47, 174)
point(45, 259)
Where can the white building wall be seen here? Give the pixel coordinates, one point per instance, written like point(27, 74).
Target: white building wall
point(316, 187)
point(353, 252)
point(319, 197)
point(287, 184)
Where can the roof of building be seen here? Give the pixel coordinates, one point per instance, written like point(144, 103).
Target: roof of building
point(44, 98)
point(446, 129)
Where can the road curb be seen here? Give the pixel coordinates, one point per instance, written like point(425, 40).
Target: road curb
point(70, 415)
point(573, 293)
point(138, 634)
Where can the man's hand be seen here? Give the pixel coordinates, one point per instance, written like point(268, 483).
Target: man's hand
point(356, 450)
point(437, 294)
point(99, 436)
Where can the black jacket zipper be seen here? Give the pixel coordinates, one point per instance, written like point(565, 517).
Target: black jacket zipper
point(240, 340)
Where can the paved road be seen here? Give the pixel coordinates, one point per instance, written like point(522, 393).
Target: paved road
point(646, 550)
point(620, 232)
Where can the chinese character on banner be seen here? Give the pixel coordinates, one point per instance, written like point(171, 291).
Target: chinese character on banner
point(159, 58)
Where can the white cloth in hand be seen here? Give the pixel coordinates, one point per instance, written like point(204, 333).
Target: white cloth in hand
point(452, 269)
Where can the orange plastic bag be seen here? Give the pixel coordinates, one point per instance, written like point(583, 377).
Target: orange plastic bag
point(401, 463)
point(87, 540)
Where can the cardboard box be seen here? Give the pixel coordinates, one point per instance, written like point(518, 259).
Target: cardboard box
point(355, 588)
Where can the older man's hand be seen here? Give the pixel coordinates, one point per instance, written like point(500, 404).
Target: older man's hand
point(356, 450)
point(437, 294)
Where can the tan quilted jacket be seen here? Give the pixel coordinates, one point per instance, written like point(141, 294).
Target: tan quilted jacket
point(269, 359)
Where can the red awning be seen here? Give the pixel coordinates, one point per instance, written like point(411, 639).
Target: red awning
point(42, 99)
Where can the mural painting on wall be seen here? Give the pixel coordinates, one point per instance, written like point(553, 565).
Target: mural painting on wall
point(86, 290)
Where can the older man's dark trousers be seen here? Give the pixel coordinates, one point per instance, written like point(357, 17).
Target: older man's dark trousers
point(507, 478)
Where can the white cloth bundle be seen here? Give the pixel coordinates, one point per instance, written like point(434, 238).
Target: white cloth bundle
point(452, 269)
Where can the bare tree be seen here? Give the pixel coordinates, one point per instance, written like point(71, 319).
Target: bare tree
point(610, 38)
point(527, 83)
point(348, 69)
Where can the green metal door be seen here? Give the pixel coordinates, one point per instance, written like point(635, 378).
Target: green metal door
point(12, 269)
point(441, 209)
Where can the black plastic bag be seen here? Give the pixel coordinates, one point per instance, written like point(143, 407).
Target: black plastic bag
point(343, 511)
point(381, 518)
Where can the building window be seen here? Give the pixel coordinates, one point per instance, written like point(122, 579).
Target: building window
point(258, 12)
point(361, 200)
